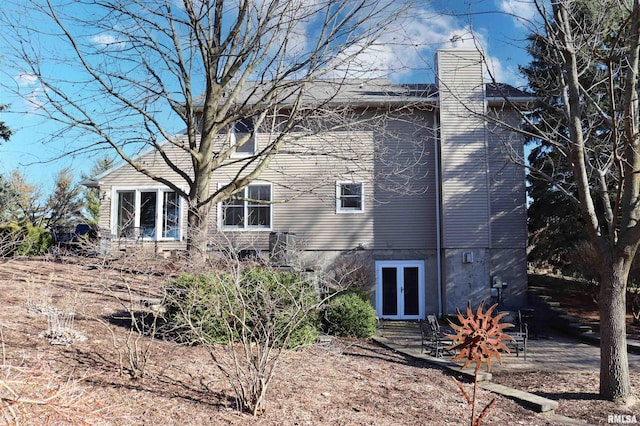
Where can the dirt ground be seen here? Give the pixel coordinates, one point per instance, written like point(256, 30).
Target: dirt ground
point(346, 382)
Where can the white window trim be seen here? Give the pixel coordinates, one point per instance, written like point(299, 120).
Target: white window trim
point(246, 228)
point(339, 209)
point(159, 190)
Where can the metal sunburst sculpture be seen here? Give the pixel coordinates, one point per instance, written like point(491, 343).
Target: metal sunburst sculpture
point(478, 337)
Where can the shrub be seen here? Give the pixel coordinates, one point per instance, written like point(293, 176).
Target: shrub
point(11, 236)
point(29, 241)
point(285, 303)
point(260, 305)
point(37, 241)
point(349, 314)
point(193, 308)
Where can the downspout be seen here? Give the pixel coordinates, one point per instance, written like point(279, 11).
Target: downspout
point(436, 150)
point(485, 113)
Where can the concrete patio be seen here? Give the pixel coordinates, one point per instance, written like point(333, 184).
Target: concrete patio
point(550, 351)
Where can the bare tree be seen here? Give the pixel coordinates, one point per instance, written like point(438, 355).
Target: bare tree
point(146, 67)
point(585, 75)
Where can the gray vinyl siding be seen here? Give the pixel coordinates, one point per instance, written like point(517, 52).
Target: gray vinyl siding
point(463, 156)
point(303, 178)
point(406, 192)
point(507, 178)
point(482, 194)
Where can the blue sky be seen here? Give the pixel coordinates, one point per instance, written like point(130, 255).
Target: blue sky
point(491, 23)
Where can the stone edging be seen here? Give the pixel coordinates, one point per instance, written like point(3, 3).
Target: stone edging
point(526, 399)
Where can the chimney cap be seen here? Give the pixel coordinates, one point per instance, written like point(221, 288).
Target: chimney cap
point(455, 40)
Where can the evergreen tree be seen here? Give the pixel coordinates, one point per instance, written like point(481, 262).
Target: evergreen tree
point(5, 132)
point(27, 209)
point(64, 206)
point(7, 198)
point(92, 195)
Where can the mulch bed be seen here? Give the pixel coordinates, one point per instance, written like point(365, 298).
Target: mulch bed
point(347, 382)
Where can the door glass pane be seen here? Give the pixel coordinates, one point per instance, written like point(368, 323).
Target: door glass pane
point(148, 214)
point(389, 291)
point(411, 305)
point(126, 212)
point(170, 215)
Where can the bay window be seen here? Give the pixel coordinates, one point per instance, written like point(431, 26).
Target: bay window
point(147, 213)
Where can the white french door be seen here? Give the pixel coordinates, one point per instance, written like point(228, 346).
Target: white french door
point(400, 289)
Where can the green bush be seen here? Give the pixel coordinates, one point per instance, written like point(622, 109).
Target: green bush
point(349, 315)
point(285, 302)
point(193, 308)
point(29, 241)
point(261, 306)
point(38, 241)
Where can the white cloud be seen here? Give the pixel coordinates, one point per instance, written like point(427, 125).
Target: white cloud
point(26, 80)
point(106, 41)
point(523, 12)
point(409, 48)
point(401, 50)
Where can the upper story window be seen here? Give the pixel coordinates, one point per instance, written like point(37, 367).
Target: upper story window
point(349, 197)
point(147, 213)
point(244, 129)
point(249, 209)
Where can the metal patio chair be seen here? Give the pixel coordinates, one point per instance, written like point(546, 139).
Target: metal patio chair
point(519, 332)
point(434, 341)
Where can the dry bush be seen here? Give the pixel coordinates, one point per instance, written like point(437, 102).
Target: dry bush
point(134, 281)
point(10, 240)
point(60, 319)
point(351, 270)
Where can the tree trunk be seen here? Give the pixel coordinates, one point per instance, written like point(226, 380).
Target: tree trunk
point(197, 234)
point(614, 366)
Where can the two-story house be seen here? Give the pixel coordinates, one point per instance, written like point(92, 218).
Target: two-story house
point(429, 198)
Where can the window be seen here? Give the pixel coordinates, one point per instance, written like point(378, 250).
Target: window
point(126, 209)
point(248, 209)
point(171, 215)
point(243, 128)
point(148, 206)
point(147, 213)
point(349, 197)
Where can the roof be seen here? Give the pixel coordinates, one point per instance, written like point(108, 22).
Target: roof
point(366, 92)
